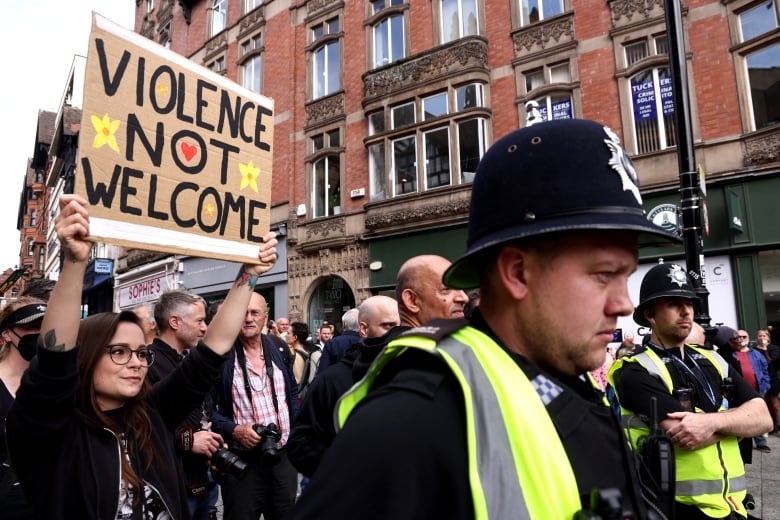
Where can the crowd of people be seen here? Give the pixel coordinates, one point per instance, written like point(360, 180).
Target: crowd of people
point(480, 387)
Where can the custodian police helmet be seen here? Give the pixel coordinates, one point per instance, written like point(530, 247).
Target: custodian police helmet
point(554, 176)
point(663, 281)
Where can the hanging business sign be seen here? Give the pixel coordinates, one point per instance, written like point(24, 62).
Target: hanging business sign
point(172, 157)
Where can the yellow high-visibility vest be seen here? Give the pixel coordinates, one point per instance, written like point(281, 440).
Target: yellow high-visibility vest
point(504, 413)
point(711, 478)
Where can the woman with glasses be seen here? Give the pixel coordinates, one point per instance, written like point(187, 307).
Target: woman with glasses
point(88, 436)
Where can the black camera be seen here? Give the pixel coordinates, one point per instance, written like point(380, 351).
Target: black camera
point(227, 462)
point(269, 442)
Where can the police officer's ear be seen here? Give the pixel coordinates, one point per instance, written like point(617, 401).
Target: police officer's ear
point(510, 267)
point(650, 315)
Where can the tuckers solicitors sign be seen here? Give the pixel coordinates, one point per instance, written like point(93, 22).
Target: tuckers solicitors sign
point(173, 157)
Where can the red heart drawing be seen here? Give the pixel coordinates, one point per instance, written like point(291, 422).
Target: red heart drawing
point(188, 150)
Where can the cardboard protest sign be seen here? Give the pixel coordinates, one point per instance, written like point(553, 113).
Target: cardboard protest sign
point(172, 157)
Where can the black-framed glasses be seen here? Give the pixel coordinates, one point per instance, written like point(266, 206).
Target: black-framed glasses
point(121, 354)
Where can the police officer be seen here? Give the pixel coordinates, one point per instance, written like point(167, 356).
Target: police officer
point(689, 384)
point(494, 417)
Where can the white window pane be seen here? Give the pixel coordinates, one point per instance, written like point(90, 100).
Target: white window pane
point(318, 188)
point(376, 122)
point(763, 69)
point(469, 96)
point(382, 43)
point(334, 76)
point(437, 158)
point(531, 11)
point(403, 115)
point(470, 20)
point(560, 73)
point(376, 169)
point(405, 165)
point(434, 106)
point(319, 72)
point(450, 20)
point(471, 147)
point(551, 8)
point(758, 20)
point(334, 186)
point(397, 37)
point(534, 79)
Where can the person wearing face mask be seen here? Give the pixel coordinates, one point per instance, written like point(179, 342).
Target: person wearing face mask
point(88, 436)
point(20, 322)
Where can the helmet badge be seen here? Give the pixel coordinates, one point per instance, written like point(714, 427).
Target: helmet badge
point(622, 164)
point(677, 275)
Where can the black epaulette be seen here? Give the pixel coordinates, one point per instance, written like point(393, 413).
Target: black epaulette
point(437, 329)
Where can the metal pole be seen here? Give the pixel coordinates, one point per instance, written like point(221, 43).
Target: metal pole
point(690, 195)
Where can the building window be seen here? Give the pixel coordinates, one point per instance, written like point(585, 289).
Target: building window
point(326, 173)
point(218, 65)
point(149, 6)
point(544, 105)
point(760, 56)
point(388, 32)
point(408, 153)
point(164, 36)
point(252, 63)
point(326, 58)
point(218, 17)
point(250, 5)
point(459, 18)
point(533, 11)
point(41, 259)
point(33, 215)
point(650, 91)
point(30, 247)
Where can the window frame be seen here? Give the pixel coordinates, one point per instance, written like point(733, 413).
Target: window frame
point(326, 146)
point(324, 38)
point(252, 50)
point(218, 6)
point(459, 122)
point(439, 14)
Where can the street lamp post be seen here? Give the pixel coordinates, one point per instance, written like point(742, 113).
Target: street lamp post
point(690, 189)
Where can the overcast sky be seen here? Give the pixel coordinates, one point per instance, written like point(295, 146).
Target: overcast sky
point(40, 37)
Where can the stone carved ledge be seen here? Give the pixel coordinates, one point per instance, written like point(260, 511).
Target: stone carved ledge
point(165, 14)
point(441, 62)
point(217, 43)
point(252, 19)
point(324, 109)
point(542, 35)
point(762, 150)
point(623, 11)
point(326, 227)
point(147, 27)
point(313, 6)
point(410, 215)
point(325, 261)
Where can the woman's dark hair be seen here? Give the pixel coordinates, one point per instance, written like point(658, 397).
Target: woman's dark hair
point(95, 332)
point(301, 332)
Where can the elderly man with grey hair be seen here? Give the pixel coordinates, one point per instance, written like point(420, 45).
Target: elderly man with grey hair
point(334, 348)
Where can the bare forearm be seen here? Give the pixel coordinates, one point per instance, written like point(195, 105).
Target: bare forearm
point(747, 420)
point(61, 323)
point(227, 323)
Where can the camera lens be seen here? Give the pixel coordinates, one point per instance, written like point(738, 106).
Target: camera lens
point(229, 463)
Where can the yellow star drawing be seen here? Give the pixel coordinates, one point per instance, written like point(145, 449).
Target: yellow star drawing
point(209, 210)
point(162, 89)
point(105, 132)
point(249, 175)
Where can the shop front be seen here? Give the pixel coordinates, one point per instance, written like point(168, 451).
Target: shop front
point(145, 283)
point(741, 240)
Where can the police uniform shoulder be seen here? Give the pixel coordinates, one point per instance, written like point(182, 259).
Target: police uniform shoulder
point(437, 329)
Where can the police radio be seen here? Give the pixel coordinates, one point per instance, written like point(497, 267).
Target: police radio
point(658, 456)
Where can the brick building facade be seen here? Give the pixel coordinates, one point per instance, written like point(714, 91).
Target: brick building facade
point(384, 107)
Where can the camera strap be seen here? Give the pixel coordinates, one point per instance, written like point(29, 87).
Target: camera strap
point(269, 370)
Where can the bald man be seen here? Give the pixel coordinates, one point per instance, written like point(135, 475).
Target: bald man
point(421, 294)
point(313, 431)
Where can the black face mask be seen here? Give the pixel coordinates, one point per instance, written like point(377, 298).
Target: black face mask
point(28, 345)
